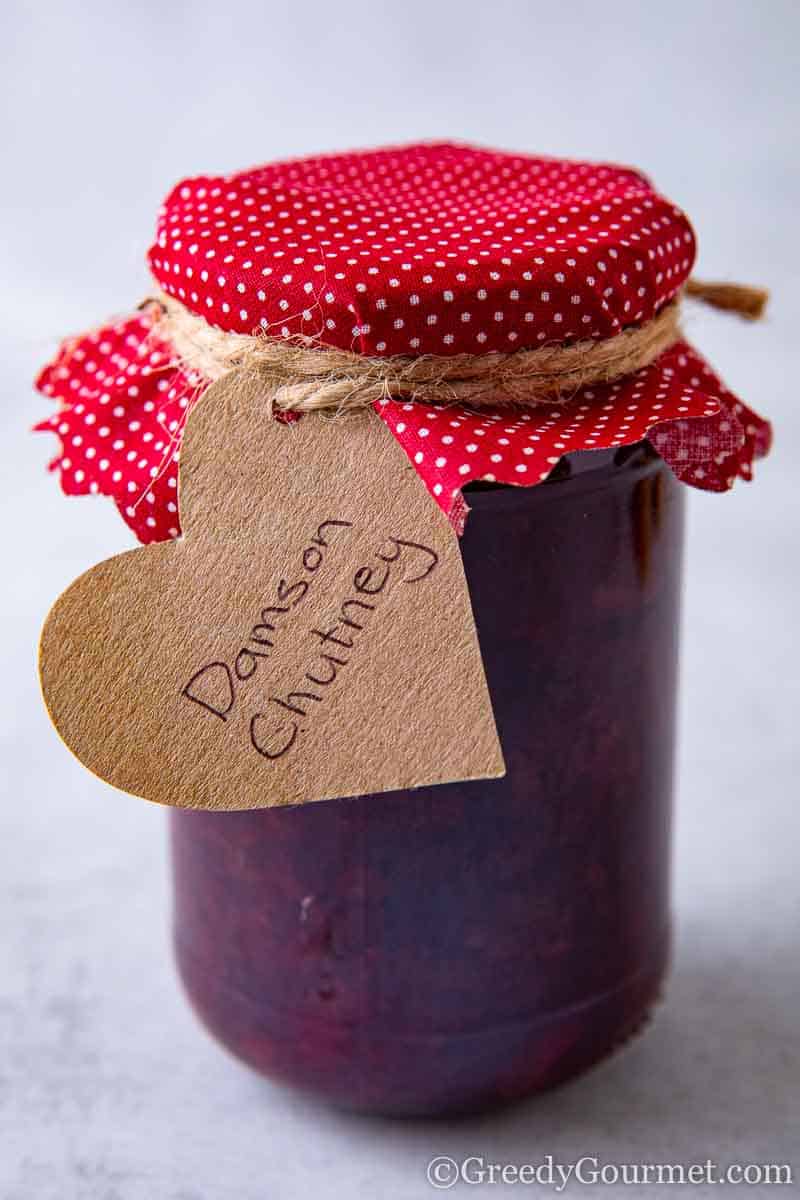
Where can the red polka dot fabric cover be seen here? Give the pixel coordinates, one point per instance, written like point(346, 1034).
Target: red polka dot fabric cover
point(437, 249)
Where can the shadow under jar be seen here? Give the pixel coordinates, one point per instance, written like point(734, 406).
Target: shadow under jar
point(452, 948)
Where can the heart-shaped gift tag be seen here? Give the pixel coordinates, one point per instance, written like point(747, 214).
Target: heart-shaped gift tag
point(309, 636)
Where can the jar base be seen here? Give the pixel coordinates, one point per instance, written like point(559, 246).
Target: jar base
point(406, 1075)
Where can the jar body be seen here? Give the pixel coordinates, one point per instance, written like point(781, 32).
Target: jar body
point(449, 948)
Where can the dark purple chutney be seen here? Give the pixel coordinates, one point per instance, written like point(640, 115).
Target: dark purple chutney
point(452, 948)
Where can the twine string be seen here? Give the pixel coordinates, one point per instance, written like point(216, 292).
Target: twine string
point(299, 376)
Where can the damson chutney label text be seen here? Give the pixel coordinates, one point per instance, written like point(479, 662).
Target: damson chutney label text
point(308, 636)
point(277, 724)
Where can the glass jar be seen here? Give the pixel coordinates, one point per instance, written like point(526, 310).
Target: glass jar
point(450, 948)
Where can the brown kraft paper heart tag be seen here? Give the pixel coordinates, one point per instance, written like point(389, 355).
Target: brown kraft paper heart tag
point(309, 636)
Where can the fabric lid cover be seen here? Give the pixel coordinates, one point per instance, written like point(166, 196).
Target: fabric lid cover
point(426, 249)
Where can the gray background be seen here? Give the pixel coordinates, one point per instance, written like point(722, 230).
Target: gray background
point(109, 1088)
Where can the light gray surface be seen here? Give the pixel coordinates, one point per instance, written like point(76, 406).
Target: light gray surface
point(109, 1090)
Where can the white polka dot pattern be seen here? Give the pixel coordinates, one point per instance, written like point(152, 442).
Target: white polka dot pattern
point(423, 249)
point(706, 435)
point(123, 405)
point(419, 249)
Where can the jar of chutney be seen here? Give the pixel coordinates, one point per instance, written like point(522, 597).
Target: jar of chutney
point(513, 321)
